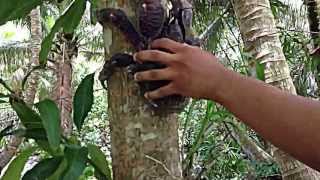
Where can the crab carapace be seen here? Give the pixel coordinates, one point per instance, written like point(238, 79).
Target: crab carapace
point(153, 22)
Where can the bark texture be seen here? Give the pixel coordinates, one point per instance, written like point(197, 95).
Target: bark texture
point(62, 87)
point(144, 145)
point(36, 36)
point(262, 42)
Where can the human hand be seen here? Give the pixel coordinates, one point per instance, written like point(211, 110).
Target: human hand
point(192, 71)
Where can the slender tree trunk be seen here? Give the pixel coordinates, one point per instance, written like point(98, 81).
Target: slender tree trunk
point(143, 145)
point(313, 7)
point(62, 88)
point(249, 147)
point(314, 20)
point(36, 36)
point(261, 39)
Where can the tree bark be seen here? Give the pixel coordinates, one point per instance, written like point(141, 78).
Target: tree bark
point(144, 145)
point(258, 30)
point(36, 36)
point(62, 87)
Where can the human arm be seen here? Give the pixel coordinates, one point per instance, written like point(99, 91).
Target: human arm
point(290, 122)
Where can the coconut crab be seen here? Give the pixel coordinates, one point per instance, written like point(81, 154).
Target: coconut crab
point(154, 22)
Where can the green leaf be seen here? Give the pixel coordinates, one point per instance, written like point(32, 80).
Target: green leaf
point(50, 116)
point(260, 71)
point(15, 9)
point(16, 166)
point(68, 22)
point(29, 118)
point(83, 101)
point(76, 159)
point(73, 17)
point(36, 134)
point(33, 133)
point(99, 175)
point(99, 161)
point(93, 9)
point(44, 145)
point(43, 169)
point(58, 173)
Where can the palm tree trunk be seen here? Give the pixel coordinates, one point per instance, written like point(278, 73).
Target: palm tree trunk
point(35, 46)
point(62, 88)
point(258, 30)
point(143, 145)
point(36, 37)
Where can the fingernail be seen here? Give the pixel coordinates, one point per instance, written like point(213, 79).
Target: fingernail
point(135, 56)
point(136, 77)
point(146, 95)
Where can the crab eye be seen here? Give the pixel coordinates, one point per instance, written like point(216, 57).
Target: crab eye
point(144, 6)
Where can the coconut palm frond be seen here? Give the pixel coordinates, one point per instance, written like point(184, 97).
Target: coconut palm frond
point(12, 56)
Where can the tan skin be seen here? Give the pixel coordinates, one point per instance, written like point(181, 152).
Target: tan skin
point(290, 122)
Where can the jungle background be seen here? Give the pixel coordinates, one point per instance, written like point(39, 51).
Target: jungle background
point(213, 144)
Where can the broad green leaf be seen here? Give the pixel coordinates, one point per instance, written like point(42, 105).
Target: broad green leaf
point(15, 9)
point(58, 173)
point(76, 159)
point(43, 169)
point(29, 118)
point(99, 175)
point(68, 22)
point(99, 161)
point(50, 116)
point(36, 134)
point(33, 133)
point(44, 145)
point(83, 101)
point(16, 166)
point(73, 17)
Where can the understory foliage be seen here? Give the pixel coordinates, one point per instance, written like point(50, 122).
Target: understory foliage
point(212, 140)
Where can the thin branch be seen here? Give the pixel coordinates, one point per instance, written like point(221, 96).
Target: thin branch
point(4, 84)
point(162, 164)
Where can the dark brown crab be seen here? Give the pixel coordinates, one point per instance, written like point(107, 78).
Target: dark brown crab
point(153, 23)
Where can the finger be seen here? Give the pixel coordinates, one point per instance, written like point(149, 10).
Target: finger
point(160, 93)
point(168, 44)
point(153, 75)
point(153, 56)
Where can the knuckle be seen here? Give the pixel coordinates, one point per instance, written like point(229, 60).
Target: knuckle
point(172, 87)
point(184, 47)
point(174, 75)
point(154, 54)
point(164, 41)
point(153, 74)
